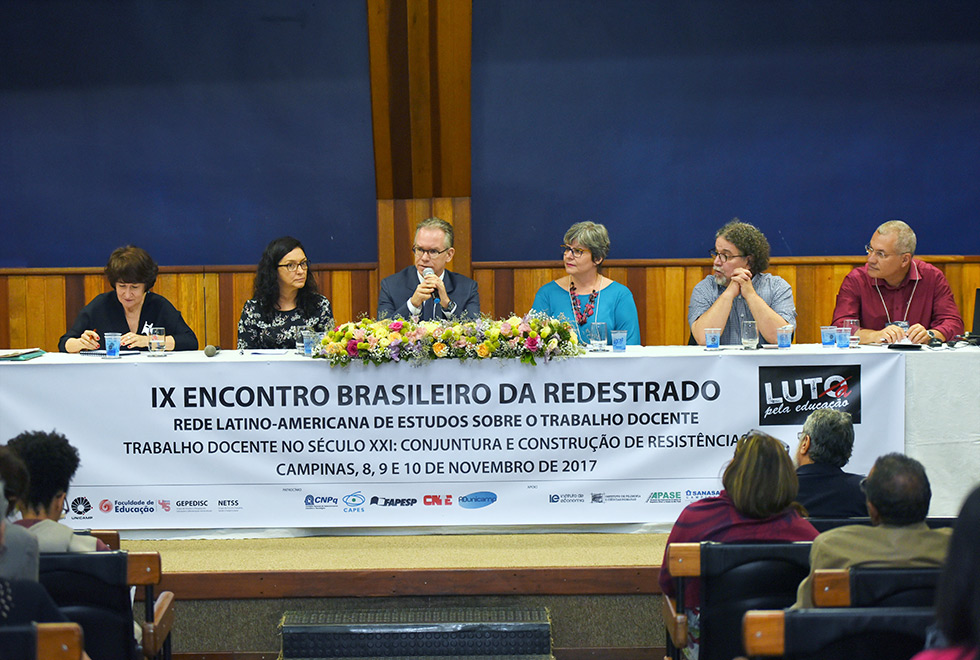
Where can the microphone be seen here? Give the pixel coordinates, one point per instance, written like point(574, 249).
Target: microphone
point(211, 351)
point(427, 272)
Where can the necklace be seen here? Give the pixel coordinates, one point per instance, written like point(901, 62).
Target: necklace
point(888, 316)
point(577, 304)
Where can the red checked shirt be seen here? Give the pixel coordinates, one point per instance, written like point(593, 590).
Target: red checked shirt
point(929, 303)
point(717, 519)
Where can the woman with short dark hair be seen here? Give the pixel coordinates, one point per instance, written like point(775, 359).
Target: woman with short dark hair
point(131, 309)
point(584, 295)
point(285, 297)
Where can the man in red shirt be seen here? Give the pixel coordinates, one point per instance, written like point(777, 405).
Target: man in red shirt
point(893, 288)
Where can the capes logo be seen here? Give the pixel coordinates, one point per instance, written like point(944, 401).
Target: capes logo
point(788, 394)
point(477, 500)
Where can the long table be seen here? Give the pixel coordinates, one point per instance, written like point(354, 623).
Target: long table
point(275, 440)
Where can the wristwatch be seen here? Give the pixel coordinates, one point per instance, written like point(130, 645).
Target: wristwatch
point(932, 334)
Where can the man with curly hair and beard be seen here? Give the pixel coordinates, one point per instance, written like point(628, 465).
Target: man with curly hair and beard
point(738, 289)
point(51, 462)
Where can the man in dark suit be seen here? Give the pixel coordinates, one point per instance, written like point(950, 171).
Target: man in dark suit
point(427, 290)
point(825, 447)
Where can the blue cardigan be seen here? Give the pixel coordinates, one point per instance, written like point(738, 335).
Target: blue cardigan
point(614, 307)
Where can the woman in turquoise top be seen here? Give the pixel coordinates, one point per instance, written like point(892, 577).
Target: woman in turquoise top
point(585, 295)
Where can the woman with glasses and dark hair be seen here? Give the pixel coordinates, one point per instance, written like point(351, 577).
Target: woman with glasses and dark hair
point(757, 503)
point(130, 309)
point(284, 297)
point(585, 295)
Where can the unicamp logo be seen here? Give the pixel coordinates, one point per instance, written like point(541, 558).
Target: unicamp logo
point(787, 395)
point(80, 506)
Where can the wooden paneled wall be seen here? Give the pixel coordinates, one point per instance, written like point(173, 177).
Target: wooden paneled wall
point(36, 305)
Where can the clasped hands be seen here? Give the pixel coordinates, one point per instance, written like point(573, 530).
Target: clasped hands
point(741, 282)
point(892, 334)
point(89, 340)
point(431, 285)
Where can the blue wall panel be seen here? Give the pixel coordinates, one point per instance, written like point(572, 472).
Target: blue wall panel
point(813, 120)
point(198, 130)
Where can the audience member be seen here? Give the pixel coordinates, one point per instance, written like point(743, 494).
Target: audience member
point(427, 290)
point(51, 462)
point(131, 309)
point(19, 551)
point(886, 291)
point(585, 295)
point(757, 504)
point(898, 496)
point(284, 299)
point(826, 491)
point(738, 289)
point(958, 593)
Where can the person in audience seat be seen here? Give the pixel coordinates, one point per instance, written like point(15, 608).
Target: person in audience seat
point(826, 491)
point(19, 553)
point(898, 493)
point(758, 503)
point(51, 462)
point(958, 593)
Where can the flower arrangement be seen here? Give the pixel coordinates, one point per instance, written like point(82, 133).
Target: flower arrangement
point(529, 338)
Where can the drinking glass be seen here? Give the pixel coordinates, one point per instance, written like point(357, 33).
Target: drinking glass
point(828, 336)
point(112, 341)
point(298, 338)
point(784, 336)
point(712, 339)
point(618, 341)
point(158, 341)
point(750, 335)
point(597, 337)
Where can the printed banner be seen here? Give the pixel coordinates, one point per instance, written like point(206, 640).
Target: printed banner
point(282, 441)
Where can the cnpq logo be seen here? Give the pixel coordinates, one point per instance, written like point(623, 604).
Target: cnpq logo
point(787, 395)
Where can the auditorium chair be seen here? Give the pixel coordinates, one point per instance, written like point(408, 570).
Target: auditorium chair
point(833, 633)
point(93, 590)
point(41, 641)
point(823, 524)
point(735, 578)
point(860, 586)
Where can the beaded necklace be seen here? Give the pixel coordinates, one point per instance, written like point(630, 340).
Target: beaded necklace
point(577, 305)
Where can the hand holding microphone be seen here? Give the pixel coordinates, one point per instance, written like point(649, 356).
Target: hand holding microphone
point(425, 288)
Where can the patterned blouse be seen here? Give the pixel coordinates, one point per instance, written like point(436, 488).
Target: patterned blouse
point(258, 331)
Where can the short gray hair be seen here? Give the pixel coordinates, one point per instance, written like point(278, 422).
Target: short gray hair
point(831, 436)
point(437, 223)
point(591, 235)
point(905, 237)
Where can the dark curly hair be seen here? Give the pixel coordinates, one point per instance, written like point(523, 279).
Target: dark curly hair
point(51, 461)
point(132, 265)
point(899, 489)
point(750, 241)
point(16, 478)
point(958, 592)
point(266, 290)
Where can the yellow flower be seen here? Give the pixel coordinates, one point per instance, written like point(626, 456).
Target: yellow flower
point(514, 321)
point(545, 331)
point(483, 350)
point(440, 349)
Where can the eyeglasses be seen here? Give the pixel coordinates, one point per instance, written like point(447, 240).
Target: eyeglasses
point(576, 252)
point(432, 253)
point(800, 436)
point(881, 254)
point(724, 256)
point(292, 265)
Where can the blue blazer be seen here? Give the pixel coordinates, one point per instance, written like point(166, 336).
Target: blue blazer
point(398, 288)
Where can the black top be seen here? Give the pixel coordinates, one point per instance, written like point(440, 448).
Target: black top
point(828, 492)
point(255, 330)
point(26, 601)
point(106, 314)
point(398, 288)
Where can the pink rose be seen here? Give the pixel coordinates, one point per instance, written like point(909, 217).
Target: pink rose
point(532, 344)
point(352, 348)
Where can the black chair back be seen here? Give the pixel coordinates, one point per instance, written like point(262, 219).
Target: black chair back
point(92, 589)
point(18, 642)
point(736, 577)
point(893, 587)
point(882, 633)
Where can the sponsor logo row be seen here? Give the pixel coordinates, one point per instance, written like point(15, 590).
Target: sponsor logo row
point(358, 502)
